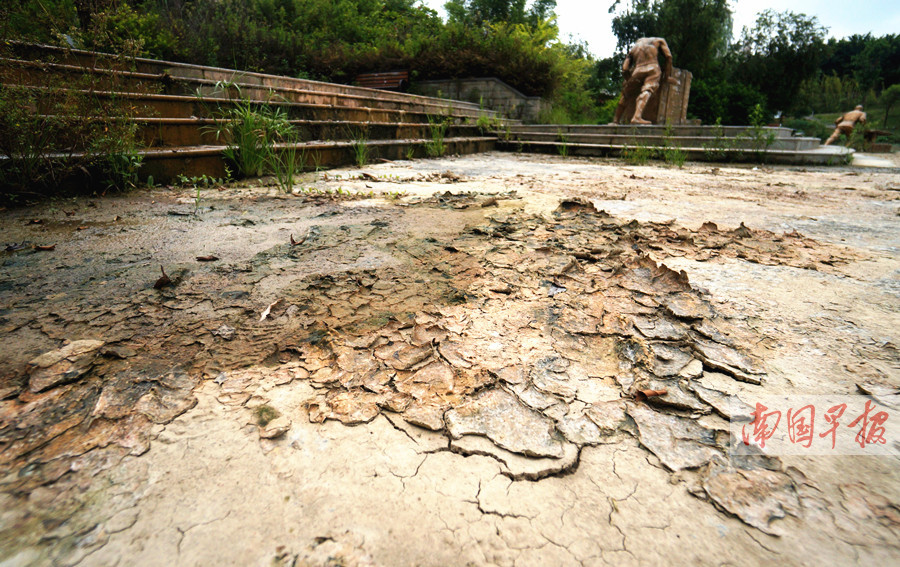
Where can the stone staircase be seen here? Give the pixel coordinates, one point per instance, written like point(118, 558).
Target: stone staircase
point(176, 107)
point(704, 143)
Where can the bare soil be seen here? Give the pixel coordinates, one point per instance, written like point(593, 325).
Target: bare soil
point(446, 362)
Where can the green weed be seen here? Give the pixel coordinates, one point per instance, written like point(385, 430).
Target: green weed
point(563, 146)
point(438, 126)
point(286, 161)
point(671, 152)
point(717, 149)
point(639, 154)
point(760, 137)
point(251, 130)
point(264, 414)
point(360, 146)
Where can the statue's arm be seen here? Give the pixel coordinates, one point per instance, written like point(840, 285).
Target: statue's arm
point(664, 47)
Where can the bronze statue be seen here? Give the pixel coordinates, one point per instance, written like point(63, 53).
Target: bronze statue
point(846, 122)
point(642, 75)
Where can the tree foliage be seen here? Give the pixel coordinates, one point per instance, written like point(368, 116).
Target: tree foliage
point(698, 31)
point(889, 97)
point(781, 51)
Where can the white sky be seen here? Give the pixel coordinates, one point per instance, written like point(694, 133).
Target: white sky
point(589, 20)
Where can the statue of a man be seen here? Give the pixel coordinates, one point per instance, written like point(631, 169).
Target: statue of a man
point(846, 122)
point(642, 75)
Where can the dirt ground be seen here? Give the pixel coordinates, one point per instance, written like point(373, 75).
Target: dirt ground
point(448, 362)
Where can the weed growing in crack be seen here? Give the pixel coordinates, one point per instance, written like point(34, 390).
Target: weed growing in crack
point(672, 153)
point(285, 161)
point(639, 154)
point(251, 130)
point(438, 126)
point(197, 183)
point(759, 137)
point(717, 148)
point(360, 146)
point(563, 146)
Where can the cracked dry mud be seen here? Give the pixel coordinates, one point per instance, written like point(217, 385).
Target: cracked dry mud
point(487, 337)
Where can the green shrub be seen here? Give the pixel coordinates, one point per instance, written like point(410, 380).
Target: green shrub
point(810, 127)
point(49, 140)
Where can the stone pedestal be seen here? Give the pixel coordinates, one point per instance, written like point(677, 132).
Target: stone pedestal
point(669, 102)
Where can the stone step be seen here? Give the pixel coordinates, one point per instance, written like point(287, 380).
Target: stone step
point(178, 106)
point(37, 73)
point(174, 132)
point(745, 142)
point(822, 155)
point(167, 163)
point(164, 165)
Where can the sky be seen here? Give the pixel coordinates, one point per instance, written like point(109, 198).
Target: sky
point(590, 21)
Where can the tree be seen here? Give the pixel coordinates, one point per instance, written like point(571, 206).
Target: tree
point(781, 51)
point(479, 12)
point(878, 63)
point(889, 98)
point(698, 31)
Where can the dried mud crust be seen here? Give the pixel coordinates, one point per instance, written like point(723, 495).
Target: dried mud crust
point(524, 339)
point(534, 336)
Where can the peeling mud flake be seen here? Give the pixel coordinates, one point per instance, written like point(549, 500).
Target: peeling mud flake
point(275, 428)
point(756, 496)
point(63, 365)
point(728, 360)
point(608, 416)
point(498, 415)
point(350, 407)
point(679, 443)
point(515, 465)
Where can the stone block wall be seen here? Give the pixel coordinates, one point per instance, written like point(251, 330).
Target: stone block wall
point(490, 92)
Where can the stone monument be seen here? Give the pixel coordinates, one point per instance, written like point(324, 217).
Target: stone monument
point(651, 94)
point(845, 123)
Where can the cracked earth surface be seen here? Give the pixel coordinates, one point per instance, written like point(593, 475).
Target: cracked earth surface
point(453, 377)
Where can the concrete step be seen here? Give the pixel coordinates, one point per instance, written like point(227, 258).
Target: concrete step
point(744, 142)
point(822, 155)
point(683, 130)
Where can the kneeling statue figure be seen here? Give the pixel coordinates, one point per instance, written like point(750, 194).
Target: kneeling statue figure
point(642, 74)
point(846, 122)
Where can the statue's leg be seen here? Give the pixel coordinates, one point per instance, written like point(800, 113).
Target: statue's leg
point(849, 133)
point(833, 137)
point(620, 108)
point(628, 88)
point(651, 82)
point(639, 108)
